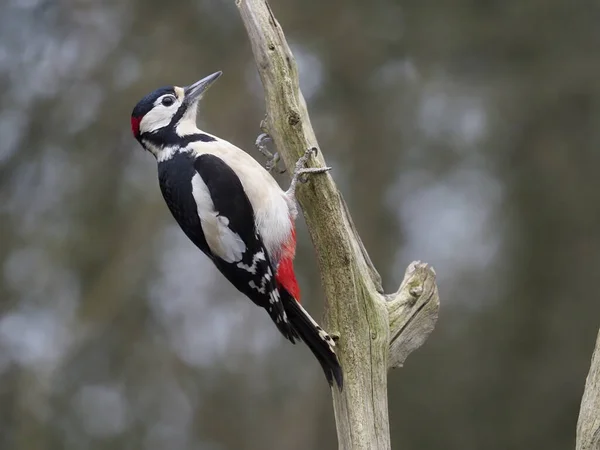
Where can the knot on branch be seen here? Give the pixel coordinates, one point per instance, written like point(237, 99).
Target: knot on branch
point(293, 118)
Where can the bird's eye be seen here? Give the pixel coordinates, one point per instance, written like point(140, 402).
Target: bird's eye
point(168, 101)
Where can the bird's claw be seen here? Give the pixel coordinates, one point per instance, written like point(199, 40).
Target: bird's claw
point(301, 172)
point(273, 163)
point(272, 158)
point(304, 174)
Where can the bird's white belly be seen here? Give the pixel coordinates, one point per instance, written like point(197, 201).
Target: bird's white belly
point(274, 224)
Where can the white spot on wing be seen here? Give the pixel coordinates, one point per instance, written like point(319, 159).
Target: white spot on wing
point(222, 241)
point(253, 285)
point(273, 295)
point(259, 256)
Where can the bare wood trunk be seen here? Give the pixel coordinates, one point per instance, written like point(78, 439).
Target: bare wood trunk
point(376, 331)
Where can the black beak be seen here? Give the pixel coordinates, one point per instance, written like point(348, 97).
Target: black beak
point(194, 91)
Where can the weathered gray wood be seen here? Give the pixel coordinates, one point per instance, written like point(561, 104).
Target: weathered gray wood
point(375, 331)
point(588, 425)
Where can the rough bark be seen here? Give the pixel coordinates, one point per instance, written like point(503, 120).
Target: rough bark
point(376, 331)
point(588, 425)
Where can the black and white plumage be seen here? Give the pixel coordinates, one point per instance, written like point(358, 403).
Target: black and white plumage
point(232, 209)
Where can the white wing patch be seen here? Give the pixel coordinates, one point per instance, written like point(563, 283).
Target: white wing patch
point(222, 241)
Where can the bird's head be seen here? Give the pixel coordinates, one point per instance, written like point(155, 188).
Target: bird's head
point(168, 113)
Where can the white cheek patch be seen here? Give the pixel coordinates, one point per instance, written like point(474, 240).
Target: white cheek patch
point(222, 241)
point(156, 118)
point(160, 115)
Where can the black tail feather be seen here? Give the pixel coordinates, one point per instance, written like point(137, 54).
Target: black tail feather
point(286, 328)
point(319, 342)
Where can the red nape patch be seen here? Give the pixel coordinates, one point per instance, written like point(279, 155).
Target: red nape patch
point(135, 125)
point(286, 277)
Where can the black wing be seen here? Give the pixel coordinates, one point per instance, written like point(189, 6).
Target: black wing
point(253, 274)
point(175, 180)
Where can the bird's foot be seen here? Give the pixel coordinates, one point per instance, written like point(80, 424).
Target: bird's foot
point(261, 145)
point(301, 172)
point(272, 158)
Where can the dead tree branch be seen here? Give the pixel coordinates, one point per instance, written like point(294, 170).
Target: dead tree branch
point(375, 331)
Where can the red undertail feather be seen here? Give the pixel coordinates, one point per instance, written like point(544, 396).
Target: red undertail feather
point(287, 279)
point(285, 275)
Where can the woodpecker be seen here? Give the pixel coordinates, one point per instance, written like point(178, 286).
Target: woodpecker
point(233, 210)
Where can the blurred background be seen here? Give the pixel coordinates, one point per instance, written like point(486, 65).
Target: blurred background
point(462, 133)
